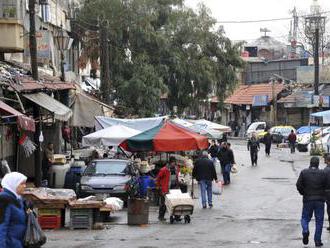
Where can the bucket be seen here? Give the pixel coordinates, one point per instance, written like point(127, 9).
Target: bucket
point(137, 212)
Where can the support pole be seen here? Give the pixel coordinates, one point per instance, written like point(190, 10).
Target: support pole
point(33, 40)
point(316, 63)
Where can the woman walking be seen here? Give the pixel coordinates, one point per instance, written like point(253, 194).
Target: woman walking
point(12, 211)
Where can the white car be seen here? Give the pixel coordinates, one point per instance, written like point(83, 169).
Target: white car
point(256, 127)
point(324, 141)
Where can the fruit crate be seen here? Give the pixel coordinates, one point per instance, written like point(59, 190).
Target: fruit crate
point(50, 222)
point(81, 218)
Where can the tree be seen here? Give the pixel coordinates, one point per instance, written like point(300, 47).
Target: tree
point(172, 48)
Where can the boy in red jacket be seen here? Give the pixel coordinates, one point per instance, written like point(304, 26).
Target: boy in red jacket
point(167, 179)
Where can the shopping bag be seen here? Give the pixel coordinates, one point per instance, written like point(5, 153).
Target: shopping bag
point(217, 188)
point(234, 169)
point(34, 236)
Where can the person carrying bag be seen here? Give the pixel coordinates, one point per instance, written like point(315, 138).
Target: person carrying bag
point(34, 236)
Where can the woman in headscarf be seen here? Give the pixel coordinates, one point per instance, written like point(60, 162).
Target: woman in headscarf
point(12, 211)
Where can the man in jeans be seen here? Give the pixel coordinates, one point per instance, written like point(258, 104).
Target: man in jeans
point(311, 185)
point(204, 172)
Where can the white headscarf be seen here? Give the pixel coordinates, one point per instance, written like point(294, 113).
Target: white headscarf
point(11, 181)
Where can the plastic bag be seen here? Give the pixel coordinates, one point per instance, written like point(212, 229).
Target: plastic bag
point(34, 236)
point(234, 169)
point(217, 188)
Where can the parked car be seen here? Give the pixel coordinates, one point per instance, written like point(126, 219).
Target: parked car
point(281, 133)
point(107, 176)
point(256, 127)
point(304, 135)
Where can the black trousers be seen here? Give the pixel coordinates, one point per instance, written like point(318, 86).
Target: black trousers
point(254, 156)
point(328, 210)
point(162, 207)
point(267, 148)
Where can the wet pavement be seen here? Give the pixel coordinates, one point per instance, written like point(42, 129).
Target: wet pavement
point(261, 208)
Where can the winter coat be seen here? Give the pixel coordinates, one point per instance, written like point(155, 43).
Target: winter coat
point(292, 138)
point(253, 145)
point(327, 188)
point(225, 156)
point(163, 179)
point(204, 170)
point(268, 139)
point(213, 150)
point(12, 221)
point(311, 184)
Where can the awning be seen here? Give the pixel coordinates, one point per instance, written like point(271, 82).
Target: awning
point(60, 111)
point(85, 109)
point(23, 121)
point(324, 115)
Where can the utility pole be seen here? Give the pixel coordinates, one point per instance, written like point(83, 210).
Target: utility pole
point(33, 40)
point(316, 62)
point(36, 109)
point(274, 96)
point(105, 60)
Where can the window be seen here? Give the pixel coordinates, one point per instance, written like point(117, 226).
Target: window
point(261, 127)
point(9, 9)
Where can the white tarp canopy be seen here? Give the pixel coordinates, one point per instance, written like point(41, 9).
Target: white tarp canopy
point(202, 129)
point(212, 125)
point(324, 115)
point(141, 124)
point(110, 136)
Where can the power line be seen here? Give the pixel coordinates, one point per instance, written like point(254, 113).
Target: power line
point(265, 20)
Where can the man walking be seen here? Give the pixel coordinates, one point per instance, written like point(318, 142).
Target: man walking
point(292, 141)
point(226, 158)
point(311, 185)
point(213, 151)
point(167, 179)
point(204, 172)
point(253, 146)
point(327, 190)
point(268, 143)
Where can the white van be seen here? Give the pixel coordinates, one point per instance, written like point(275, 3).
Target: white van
point(256, 127)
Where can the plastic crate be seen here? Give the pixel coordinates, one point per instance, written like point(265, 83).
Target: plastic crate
point(49, 212)
point(81, 218)
point(50, 222)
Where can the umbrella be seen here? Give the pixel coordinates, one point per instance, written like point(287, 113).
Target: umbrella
point(111, 136)
point(166, 137)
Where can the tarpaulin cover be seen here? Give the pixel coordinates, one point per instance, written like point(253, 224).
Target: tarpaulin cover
point(212, 125)
point(142, 124)
point(166, 137)
point(306, 129)
point(60, 111)
point(23, 121)
point(85, 109)
point(324, 115)
point(111, 136)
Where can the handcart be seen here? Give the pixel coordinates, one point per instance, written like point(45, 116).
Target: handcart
point(179, 205)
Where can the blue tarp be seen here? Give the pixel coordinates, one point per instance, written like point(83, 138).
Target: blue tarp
point(306, 129)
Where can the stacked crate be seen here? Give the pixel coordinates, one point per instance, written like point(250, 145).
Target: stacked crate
point(50, 218)
point(81, 218)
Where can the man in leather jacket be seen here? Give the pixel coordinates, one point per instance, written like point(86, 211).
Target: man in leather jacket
point(311, 185)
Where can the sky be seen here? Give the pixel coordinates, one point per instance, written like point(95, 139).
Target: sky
point(242, 10)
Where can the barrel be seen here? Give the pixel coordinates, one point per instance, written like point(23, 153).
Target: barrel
point(137, 211)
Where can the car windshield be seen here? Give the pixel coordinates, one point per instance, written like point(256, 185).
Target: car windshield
point(106, 168)
point(285, 131)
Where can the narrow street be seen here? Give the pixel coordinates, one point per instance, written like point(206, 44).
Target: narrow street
point(261, 208)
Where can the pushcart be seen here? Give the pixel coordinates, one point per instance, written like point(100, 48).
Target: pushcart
point(179, 205)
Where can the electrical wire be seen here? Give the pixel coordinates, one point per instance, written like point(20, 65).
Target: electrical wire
point(266, 20)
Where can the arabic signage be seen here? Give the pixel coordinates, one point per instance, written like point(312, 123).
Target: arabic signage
point(260, 101)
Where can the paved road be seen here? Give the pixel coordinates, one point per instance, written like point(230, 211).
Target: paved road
point(260, 209)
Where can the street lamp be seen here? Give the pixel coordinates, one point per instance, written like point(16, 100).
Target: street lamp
point(314, 27)
point(62, 40)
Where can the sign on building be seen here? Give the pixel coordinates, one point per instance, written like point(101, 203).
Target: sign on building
point(260, 101)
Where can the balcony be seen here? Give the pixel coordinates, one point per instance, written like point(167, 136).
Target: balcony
point(12, 40)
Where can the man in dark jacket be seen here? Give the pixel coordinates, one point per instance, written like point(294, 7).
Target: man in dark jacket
point(253, 146)
point(311, 185)
point(268, 143)
point(213, 150)
point(327, 190)
point(226, 158)
point(204, 172)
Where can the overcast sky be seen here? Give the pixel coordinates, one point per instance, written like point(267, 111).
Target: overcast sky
point(237, 10)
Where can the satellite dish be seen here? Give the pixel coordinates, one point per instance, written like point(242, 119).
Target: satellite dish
point(26, 22)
